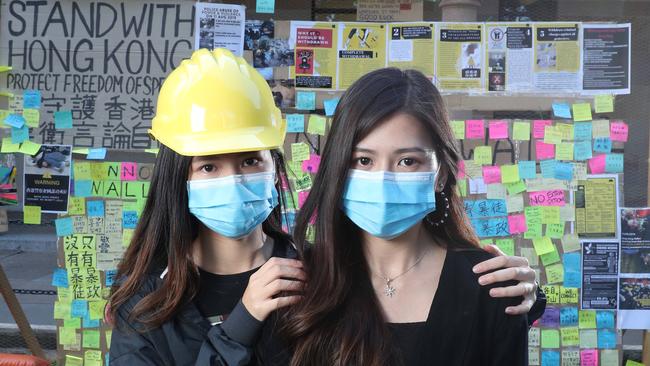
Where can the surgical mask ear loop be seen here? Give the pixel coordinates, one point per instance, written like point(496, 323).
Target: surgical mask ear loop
point(444, 215)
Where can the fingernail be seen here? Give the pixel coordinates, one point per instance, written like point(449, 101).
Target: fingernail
point(476, 269)
point(481, 281)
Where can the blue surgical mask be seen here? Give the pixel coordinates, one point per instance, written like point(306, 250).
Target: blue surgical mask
point(386, 204)
point(233, 206)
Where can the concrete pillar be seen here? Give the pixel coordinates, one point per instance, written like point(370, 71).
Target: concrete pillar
point(459, 10)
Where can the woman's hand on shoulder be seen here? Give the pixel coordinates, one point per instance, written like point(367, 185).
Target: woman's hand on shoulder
point(276, 284)
point(509, 268)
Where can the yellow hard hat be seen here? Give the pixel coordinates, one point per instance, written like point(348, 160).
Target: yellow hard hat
point(216, 103)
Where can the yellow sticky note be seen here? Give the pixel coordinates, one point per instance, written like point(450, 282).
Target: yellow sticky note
point(564, 151)
point(565, 130)
point(299, 151)
point(71, 360)
point(550, 258)
point(633, 363)
point(92, 357)
point(76, 205)
point(317, 124)
point(581, 112)
point(510, 173)
point(127, 235)
point(521, 131)
point(32, 117)
point(555, 273)
point(8, 146)
point(543, 245)
point(570, 336)
point(32, 215)
point(3, 114)
point(552, 293)
point(555, 231)
point(74, 323)
point(587, 319)
point(458, 127)
point(67, 335)
point(550, 215)
point(568, 295)
point(90, 338)
point(507, 246)
point(483, 155)
point(109, 334)
point(29, 147)
point(552, 135)
point(81, 170)
point(570, 243)
point(550, 338)
point(80, 150)
point(96, 309)
point(604, 103)
point(517, 187)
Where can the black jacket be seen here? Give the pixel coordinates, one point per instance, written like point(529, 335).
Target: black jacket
point(189, 339)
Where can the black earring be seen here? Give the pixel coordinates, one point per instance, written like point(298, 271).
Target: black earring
point(444, 214)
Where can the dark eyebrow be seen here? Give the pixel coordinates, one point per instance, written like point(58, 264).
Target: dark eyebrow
point(411, 149)
point(360, 149)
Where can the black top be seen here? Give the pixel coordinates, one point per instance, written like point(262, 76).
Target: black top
point(405, 338)
point(218, 294)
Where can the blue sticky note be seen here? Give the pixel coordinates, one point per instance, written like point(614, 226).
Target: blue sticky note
point(64, 226)
point(83, 188)
point(96, 154)
point(563, 171)
point(582, 150)
point(110, 277)
point(90, 323)
point(79, 308)
point(265, 6)
point(106, 359)
point(95, 208)
point(604, 319)
point(15, 120)
point(562, 110)
point(550, 358)
point(330, 106)
point(306, 100)
point(582, 131)
point(295, 123)
point(614, 163)
point(606, 339)
point(129, 219)
point(32, 99)
point(572, 279)
point(527, 169)
point(19, 135)
point(568, 316)
point(63, 119)
point(548, 168)
point(60, 277)
point(603, 145)
point(486, 228)
point(572, 272)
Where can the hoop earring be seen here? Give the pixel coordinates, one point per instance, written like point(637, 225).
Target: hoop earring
point(445, 213)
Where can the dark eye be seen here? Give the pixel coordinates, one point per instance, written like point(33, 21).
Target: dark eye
point(407, 162)
point(208, 168)
point(251, 162)
point(364, 161)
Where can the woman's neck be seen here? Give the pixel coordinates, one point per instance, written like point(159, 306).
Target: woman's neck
point(222, 255)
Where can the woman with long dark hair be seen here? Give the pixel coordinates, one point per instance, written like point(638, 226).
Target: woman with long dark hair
point(390, 276)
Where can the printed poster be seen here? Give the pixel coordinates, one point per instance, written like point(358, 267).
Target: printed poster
point(634, 292)
point(220, 26)
point(361, 49)
point(460, 57)
point(411, 46)
point(596, 201)
point(607, 58)
point(47, 178)
point(599, 275)
point(509, 57)
point(315, 54)
point(557, 57)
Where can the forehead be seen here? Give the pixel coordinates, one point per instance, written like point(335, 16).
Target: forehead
point(399, 131)
point(231, 156)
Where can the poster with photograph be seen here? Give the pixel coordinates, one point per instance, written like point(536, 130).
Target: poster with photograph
point(272, 53)
point(257, 31)
point(315, 54)
point(557, 57)
point(361, 49)
point(284, 92)
point(47, 178)
point(411, 46)
point(599, 275)
point(460, 57)
point(607, 58)
point(509, 57)
point(634, 293)
point(220, 26)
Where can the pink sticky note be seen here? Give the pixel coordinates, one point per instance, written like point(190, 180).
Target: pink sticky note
point(538, 127)
point(498, 130)
point(311, 165)
point(128, 171)
point(547, 198)
point(544, 151)
point(517, 224)
point(597, 164)
point(302, 197)
point(618, 131)
point(491, 174)
point(461, 169)
point(474, 129)
point(589, 357)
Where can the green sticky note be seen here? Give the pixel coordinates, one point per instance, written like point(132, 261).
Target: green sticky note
point(609, 357)
point(570, 243)
point(483, 155)
point(587, 319)
point(32, 215)
point(67, 336)
point(81, 170)
point(533, 215)
point(570, 336)
point(96, 309)
point(564, 151)
point(565, 130)
point(555, 231)
point(521, 131)
point(534, 231)
point(74, 323)
point(569, 295)
point(552, 135)
point(462, 187)
point(299, 152)
point(550, 338)
point(71, 360)
point(604, 103)
point(317, 124)
point(496, 191)
point(550, 258)
point(32, 117)
point(633, 363)
point(61, 310)
point(506, 245)
point(92, 358)
point(90, 338)
point(543, 245)
point(510, 173)
point(8, 146)
point(29, 147)
point(109, 334)
point(514, 188)
point(555, 273)
point(485, 242)
point(581, 112)
point(303, 182)
point(458, 127)
point(588, 338)
point(550, 215)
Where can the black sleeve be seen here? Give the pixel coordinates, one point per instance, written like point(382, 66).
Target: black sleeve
point(510, 337)
point(538, 307)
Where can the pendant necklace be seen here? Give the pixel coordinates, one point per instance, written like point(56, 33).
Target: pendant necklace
point(389, 290)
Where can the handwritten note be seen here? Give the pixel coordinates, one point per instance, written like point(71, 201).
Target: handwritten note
point(581, 112)
point(32, 117)
point(32, 215)
point(603, 145)
point(618, 131)
point(517, 224)
point(527, 169)
point(306, 100)
point(543, 245)
point(64, 226)
point(510, 173)
point(604, 103)
point(582, 131)
point(317, 124)
point(491, 174)
point(569, 316)
point(458, 128)
point(582, 150)
point(498, 129)
point(564, 151)
point(597, 164)
point(475, 129)
point(547, 198)
point(295, 123)
point(562, 110)
point(483, 155)
point(299, 151)
point(521, 131)
point(539, 126)
point(544, 151)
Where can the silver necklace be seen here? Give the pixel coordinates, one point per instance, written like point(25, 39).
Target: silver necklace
point(389, 290)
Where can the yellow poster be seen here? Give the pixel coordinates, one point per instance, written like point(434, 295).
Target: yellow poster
point(557, 56)
point(460, 56)
point(315, 54)
point(596, 208)
point(411, 46)
point(361, 49)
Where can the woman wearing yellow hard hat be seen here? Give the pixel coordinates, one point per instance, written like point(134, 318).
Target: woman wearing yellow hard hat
point(208, 261)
